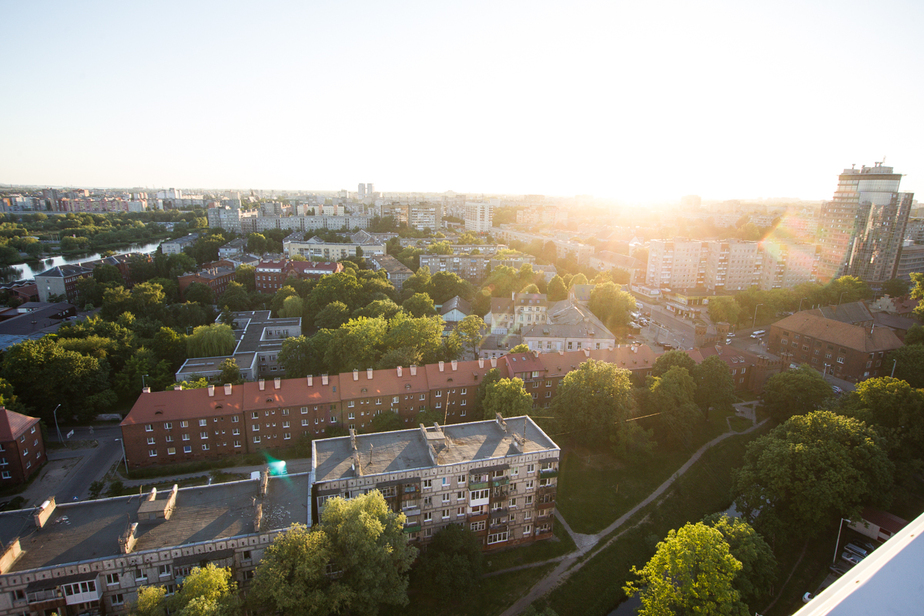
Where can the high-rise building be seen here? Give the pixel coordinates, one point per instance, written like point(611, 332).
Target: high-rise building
point(861, 229)
point(361, 190)
point(478, 216)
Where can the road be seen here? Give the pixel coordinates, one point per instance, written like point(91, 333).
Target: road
point(95, 462)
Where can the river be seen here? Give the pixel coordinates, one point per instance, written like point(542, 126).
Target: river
point(23, 271)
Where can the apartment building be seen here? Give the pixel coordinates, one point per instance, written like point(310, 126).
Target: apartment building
point(92, 557)
point(22, 449)
point(731, 265)
point(61, 281)
point(215, 276)
point(676, 264)
point(468, 267)
point(175, 247)
point(570, 326)
point(786, 264)
point(478, 216)
point(316, 249)
point(911, 260)
point(497, 478)
point(521, 310)
point(396, 272)
point(848, 351)
point(271, 275)
point(422, 216)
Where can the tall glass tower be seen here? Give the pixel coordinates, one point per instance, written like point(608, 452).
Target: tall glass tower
point(861, 229)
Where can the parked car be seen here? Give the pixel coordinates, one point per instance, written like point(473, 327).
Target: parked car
point(852, 558)
point(728, 341)
point(730, 335)
point(855, 549)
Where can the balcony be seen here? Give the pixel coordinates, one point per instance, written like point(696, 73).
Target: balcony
point(478, 485)
point(39, 596)
point(500, 511)
point(548, 472)
point(500, 481)
point(412, 528)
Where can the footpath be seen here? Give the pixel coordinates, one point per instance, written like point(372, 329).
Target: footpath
point(568, 564)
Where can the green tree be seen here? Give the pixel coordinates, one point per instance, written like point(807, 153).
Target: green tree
point(795, 392)
point(520, 348)
point(907, 363)
point(724, 310)
point(492, 376)
point(672, 395)
point(419, 305)
point(612, 305)
point(578, 279)
point(108, 273)
point(230, 372)
point(915, 335)
point(235, 298)
point(247, 276)
point(530, 288)
point(200, 294)
point(691, 572)
point(593, 399)
point(507, 397)
point(150, 601)
point(446, 285)
point(897, 287)
point(292, 307)
point(386, 421)
point(469, 332)
point(810, 471)
point(256, 243)
point(210, 341)
point(332, 316)
point(280, 297)
point(206, 591)
point(758, 564)
point(452, 565)
point(715, 387)
point(361, 540)
point(670, 359)
point(557, 289)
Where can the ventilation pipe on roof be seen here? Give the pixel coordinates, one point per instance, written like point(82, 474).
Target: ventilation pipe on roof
point(228, 389)
point(441, 365)
point(494, 362)
point(310, 381)
point(262, 384)
point(211, 391)
point(324, 379)
point(369, 374)
point(355, 374)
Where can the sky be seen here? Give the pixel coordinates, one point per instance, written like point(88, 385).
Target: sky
point(642, 102)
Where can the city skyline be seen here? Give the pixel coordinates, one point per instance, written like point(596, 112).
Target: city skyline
point(624, 102)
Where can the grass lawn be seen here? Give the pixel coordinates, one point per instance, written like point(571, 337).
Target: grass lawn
point(495, 594)
point(535, 552)
point(705, 488)
point(595, 487)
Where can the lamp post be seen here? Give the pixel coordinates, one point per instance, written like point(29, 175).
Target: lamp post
point(55, 413)
point(894, 363)
point(837, 544)
point(754, 320)
point(839, 297)
point(143, 385)
point(800, 304)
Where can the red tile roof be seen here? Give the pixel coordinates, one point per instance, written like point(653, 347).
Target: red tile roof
point(383, 382)
point(518, 363)
point(13, 424)
point(464, 374)
point(188, 404)
point(291, 392)
point(846, 335)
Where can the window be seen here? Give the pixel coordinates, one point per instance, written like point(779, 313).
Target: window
point(428, 517)
point(304, 422)
point(394, 400)
point(445, 498)
point(428, 501)
point(351, 416)
point(256, 439)
point(529, 484)
point(203, 435)
point(148, 428)
point(235, 419)
point(164, 571)
point(527, 530)
point(530, 469)
point(513, 502)
point(184, 424)
point(237, 443)
point(499, 537)
point(285, 411)
point(5, 475)
point(464, 391)
point(514, 471)
point(840, 360)
point(185, 437)
point(141, 576)
point(152, 453)
point(476, 526)
point(439, 393)
point(118, 599)
point(480, 494)
point(545, 482)
point(286, 436)
point(171, 451)
point(150, 440)
point(460, 512)
point(445, 514)
point(304, 410)
point(168, 425)
point(112, 579)
point(236, 432)
point(169, 438)
point(427, 484)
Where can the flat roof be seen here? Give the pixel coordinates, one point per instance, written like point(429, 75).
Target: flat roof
point(404, 450)
point(89, 530)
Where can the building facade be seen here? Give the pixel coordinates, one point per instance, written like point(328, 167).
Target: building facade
point(22, 449)
point(497, 478)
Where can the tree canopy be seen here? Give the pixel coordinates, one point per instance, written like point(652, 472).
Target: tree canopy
point(452, 564)
point(507, 397)
point(691, 572)
point(668, 360)
point(795, 392)
point(210, 341)
point(593, 399)
point(810, 470)
point(715, 387)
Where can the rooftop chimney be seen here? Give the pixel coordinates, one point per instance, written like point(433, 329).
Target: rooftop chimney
point(399, 370)
point(211, 391)
point(145, 390)
point(310, 381)
point(455, 365)
point(494, 362)
point(441, 365)
point(324, 379)
point(481, 362)
point(227, 389)
point(413, 370)
point(177, 388)
point(278, 382)
point(369, 374)
point(262, 384)
point(355, 374)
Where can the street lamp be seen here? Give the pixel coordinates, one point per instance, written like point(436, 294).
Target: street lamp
point(839, 297)
point(55, 413)
point(894, 362)
point(800, 304)
point(837, 544)
point(754, 320)
point(143, 385)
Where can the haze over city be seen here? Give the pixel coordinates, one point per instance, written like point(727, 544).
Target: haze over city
point(639, 102)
